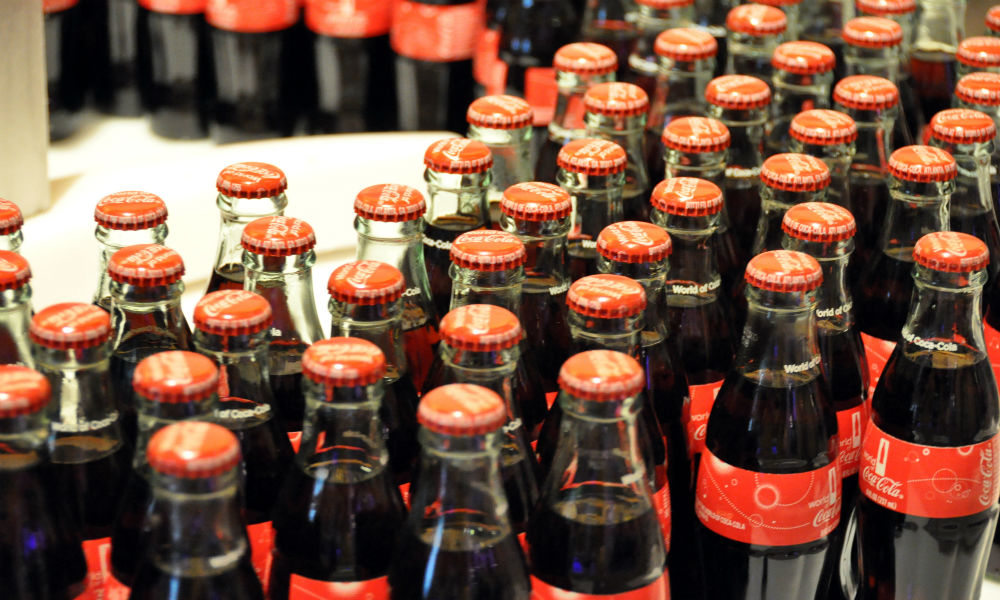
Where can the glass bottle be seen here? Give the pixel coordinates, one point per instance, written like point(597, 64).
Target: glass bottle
point(593, 172)
point(597, 503)
point(937, 400)
point(247, 191)
point(900, 11)
point(755, 31)
point(10, 226)
point(940, 25)
point(824, 25)
point(828, 135)
point(802, 79)
point(794, 14)
point(788, 179)
point(112, 60)
point(769, 491)
point(15, 309)
point(617, 112)
point(146, 317)
point(979, 91)
point(652, 18)
point(390, 229)
point(458, 177)
point(278, 257)
point(125, 219)
point(503, 123)
point(199, 547)
point(365, 303)
point(457, 541)
point(608, 23)
point(339, 509)
point(66, 77)
point(979, 53)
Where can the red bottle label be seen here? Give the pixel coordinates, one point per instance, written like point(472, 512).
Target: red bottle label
point(175, 7)
point(404, 491)
point(658, 590)
point(768, 509)
point(101, 584)
point(851, 424)
point(485, 59)
point(993, 348)
point(303, 588)
point(261, 542)
point(437, 33)
point(295, 439)
point(694, 414)
point(349, 18)
point(54, 6)
point(878, 352)
point(252, 16)
point(661, 502)
point(541, 93)
point(929, 481)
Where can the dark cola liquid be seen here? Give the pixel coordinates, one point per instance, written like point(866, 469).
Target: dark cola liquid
point(547, 165)
point(846, 371)
point(40, 553)
point(581, 260)
point(114, 57)
point(65, 70)
point(980, 223)
point(237, 583)
point(743, 204)
point(655, 151)
point(530, 394)
point(335, 528)
point(702, 337)
point(617, 35)
point(398, 413)
point(289, 399)
point(176, 70)
point(433, 95)
point(596, 542)
point(420, 344)
point(255, 88)
point(438, 236)
point(91, 489)
point(546, 332)
point(934, 77)
point(226, 277)
point(355, 85)
point(132, 530)
point(267, 457)
point(869, 203)
point(882, 298)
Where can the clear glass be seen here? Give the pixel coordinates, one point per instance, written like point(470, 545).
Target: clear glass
point(627, 132)
point(597, 203)
point(235, 213)
point(940, 26)
point(606, 22)
point(838, 159)
point(113, 240)
point(512, 159)
point(741, 184)
point(751, 54)
point(12, 241)
point(889, 63)
point(15, 320)
point(779, 348)
point(644, 64)
point(793, 93)
point(499, 288)
point(679, 91)
point(825, 22)
point(992, 110)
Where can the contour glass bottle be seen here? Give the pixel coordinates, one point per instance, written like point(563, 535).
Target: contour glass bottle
point(828, 135)
point(503, 123)
point(755, 30)
point(15, 309)
point(802, 79)
point(10, 226)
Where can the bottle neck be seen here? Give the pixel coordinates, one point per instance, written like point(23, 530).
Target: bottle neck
point(591, 333)
point(245, 397)
point(545, 246)
point(380, 324)
point(915, 209)
point(651, 276)
point(746, 133)
point(342, 438)
point(149, 309)
point(400, 245)
point(499, 288)
point(779, 346)
point(511, 150)
point(286, 282)
point(236, 213)
point(567, 121)
point(794, 93)
point(12, 241)
point(15, 320)
point(751, 54)
point(598, 202)
point(462, 198)
point(774, 204)
point(834, 304)
point(24, 441)
point(710, 166)
point(940, 26)
point(874, 143)
point(627, 132)
point(680, 90)
point(945, 321)
point(113, 240)
point(694, 278)
point(154, 416)
point(881, 62)
point(494, 369)
point(972, 196)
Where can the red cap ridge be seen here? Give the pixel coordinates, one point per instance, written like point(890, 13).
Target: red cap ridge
point(979, 88)
point(193, 450)
point(792, 172)
point(366, 282)
point(536, 201)
point(278, 236)
point(585, 58)
point(865, 92)
point(882, 8)
point(784, 271)
point(756, 20)
point(922, 164)
point(951, 252)
point(232, 312)
point(344, 362)
point(146, 265)
point(696, 134)
point(616, 99)
point(634, 242)
point(872, 32)
point(23, 391)
point(962, 126)
point(803, 58)
point(14, 270)
point(823, 127)
point(251, 180)
point(176, 376)
point(11, 219)
point(488, 250)
point(686, 44)
point(981, 52)
point(462, 409)
point(390, 202)
point(70, 326)
point(687, 197)
point(819, 222)
point(499, 112)
point(606, 296)
point(592, 157)
point(130, 211)
point(480, 328)
point(458, 156)
point(601, 375)
point(738, 92)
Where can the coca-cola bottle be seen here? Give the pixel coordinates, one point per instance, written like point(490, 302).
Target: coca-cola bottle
point(597, 506)
point(578, 66)
point(199, 547)
point(458, 180)
point(503, 123)
point(365, 303)
point(254, 68)
point(934, 415)
point(740, 102)
point(922, 181)
point(652, 18)
point(146, 317)
point(113, 58)
point(606, 22)
point(339, 509)
point(40, 544)
point(390, 230)
point(170, 386)
point(457, 541)
point(825, 232)
point(769, 491)
point(802, 79)
point(15, 309)
point(788, 179)
point(755, 30)
point(992, 20)
point(175, 66)
point(64, 65)
point(539, 215)
point(90, 459)
point(480, 345)
point(125, 219)
point(11, 222)
point(486, 65)
point(354, 66)
point(828, 135)
point(617, 112)
point(939, 26)
point(978, 53)
point(900, 11)
point(434, 41)
point(793, 10)
point(825, 23)
point(247, 191)
point(979, 91)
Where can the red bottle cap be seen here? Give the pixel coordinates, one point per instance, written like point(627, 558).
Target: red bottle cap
point(872, 32)
point(922, 164)
point(252, 16)
point(366, 282)
point(601, 375)
point(585, 58)
point(819, 222)
point(951, 252)
point(251, 180)
point(865, 92)
point(756, 20)
point(664, 4)
point(462, 409)
point(70, 326)
point(616, 99)
point(687, 197)
point(232, 312)
point(634, 242)
point(981, 52)
point(823, 127)
point(343, 362)
point(146, 265)
point(979, 88)
point(480, 328)
point(10, 217)
point(882, 8)
point(130, 211)
point(14, 270)
point(606, 296)
point(962, 126)
point(499, 112)
point(23, 391)
point(390, 202)
point(536, 201)
point(803, 58)
point(696, 134)
point(193, 450)
point(488, 250)
point(738, 92)
point(278, 236)
point(458, 156)
point(175, 376)
point(592, 157)
point(784, 271)
point(686, 44)
point(992, 18)
point(792, 172)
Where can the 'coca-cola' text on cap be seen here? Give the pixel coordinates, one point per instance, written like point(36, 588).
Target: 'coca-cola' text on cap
point(601, 375)
point(756, 20)
point(784, 271)
point(487, 250)
point(70, 326)
point(146, 265)
point(366, 282)
point(343, 362)
point(278, 236)
point(819, 222)
point(193, 450)
point(585, 58)
point(390, 202)
point(872, 32)
point(232, 312)
point(792, 172)
point(480, 328)
point(922, 164)
point(536, 201)
point(803, 58)
point(499, 112)
point(980, 52)
point(951, 252)
point(23, 391)
point(461, 409)
point(865, 92)
point(458, 156)
point(685, 44)
point(130, 211)
point(962, 126)
point(981, 88)
point(176, 376)
point(616, 99)
point(251, 180)
point(634, 242)
point(592, 157)
point(687, 196)
point(14, 270)
point(738, 92)
point(823, 127)
point(11, 219)
point(696, 135)
point(606, 296)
